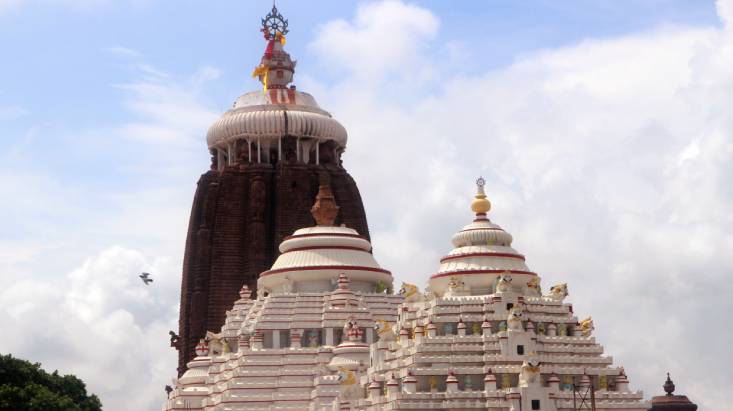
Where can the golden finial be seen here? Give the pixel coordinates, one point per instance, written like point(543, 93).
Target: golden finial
point(480, 204)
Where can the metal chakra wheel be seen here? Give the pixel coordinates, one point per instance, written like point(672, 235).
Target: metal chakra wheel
point(274, 23)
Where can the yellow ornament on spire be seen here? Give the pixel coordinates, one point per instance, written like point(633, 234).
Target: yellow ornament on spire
point(480, 204)
point(262, 72)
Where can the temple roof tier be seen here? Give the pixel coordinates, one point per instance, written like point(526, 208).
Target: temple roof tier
point(313, 258)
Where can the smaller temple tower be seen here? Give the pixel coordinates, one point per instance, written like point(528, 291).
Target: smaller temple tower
point(671, 402)
point(304, 342)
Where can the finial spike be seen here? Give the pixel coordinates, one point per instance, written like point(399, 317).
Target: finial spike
point(276, 68)
point(668, 386)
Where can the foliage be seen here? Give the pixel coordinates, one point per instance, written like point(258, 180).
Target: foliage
point(26, 387)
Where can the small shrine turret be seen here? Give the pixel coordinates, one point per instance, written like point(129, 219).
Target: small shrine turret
point(482, 255)
point(670, 401)
point(313, 258)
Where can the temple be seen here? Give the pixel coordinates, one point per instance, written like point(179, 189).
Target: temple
point(326, 331)
point(269, 154)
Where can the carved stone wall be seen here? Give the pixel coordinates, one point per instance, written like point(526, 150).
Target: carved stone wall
point(238, 219)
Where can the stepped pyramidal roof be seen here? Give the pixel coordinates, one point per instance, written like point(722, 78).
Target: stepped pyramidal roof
point(327, 333)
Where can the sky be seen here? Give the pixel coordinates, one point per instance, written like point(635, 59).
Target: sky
point(603, 129)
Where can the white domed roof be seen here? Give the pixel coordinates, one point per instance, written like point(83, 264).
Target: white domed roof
point(274, 114)
point(312, 258)
point(276, 111)
point(482, 251)
point(325, 247)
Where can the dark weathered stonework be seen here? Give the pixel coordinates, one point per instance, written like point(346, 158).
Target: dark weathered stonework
point(238, 219)
point(671, 402)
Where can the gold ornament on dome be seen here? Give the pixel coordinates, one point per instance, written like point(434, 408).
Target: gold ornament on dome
point(480, 204)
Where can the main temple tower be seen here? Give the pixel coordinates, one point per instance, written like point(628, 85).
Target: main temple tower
point(269, 154)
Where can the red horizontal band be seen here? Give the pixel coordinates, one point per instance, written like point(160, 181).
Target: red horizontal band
point(467, 272)
point(325, 267)
point(323, 235)
point(327, 247)
point(483, 228)
point(489, 254)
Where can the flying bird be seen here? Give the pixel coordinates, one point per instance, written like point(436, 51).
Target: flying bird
point(146, 278)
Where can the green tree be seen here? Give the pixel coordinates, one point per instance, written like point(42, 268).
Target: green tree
point(27, 387)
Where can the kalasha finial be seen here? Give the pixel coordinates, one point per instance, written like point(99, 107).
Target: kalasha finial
point(668, 386)
point(276, 68)
point(274, 23)
point(480, 204)
point(325, 210)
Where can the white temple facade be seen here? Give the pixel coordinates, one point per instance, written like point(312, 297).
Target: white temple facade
point(327, 333)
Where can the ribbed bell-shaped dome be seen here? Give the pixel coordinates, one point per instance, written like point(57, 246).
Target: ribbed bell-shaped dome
point(312, 258)
point(482, 251)
point(278, 110)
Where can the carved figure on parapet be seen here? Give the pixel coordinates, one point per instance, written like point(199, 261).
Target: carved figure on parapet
point(349, 389)
point(411, 293)
point(533, 287)
point(514, 321)
point(504, 282)
point(558, 292)
point(530, 371)
point(385, 330)
point(586, 327)
point(456, 287)
point(215, 343)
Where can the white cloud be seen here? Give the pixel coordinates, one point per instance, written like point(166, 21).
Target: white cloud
point(11, 112)
point(608, 160)
point(101, 323)
point(98, 320)
point(125, 52)
point(390, 33)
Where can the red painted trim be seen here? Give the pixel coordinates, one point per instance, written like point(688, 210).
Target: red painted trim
point(327, 247)
point(325, 267)
point(324, 235)
point(480, 229)
point(489, 254)
point(467, 272)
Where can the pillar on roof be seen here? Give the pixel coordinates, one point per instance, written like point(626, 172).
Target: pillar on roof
point(276, 339)
point(329, 337)
point(221, 157)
